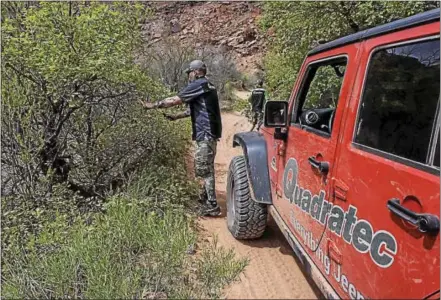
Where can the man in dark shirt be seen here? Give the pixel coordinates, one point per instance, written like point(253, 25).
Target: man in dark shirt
point(201, 97)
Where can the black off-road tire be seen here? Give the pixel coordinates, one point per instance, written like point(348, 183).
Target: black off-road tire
point(246, 219)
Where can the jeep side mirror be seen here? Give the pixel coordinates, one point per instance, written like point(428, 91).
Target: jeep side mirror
point(276, 114)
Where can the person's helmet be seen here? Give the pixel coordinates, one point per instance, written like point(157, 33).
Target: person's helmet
point(196, 65)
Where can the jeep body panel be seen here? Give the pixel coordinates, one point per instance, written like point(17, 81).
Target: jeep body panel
point(384, 257)
point(295, 179)
point(254, 148)
point(403, 262)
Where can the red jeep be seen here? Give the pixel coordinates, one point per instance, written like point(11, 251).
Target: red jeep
point(349, 167)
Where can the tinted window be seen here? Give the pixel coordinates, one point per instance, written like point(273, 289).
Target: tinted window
point(320, 94)
point(399, 103)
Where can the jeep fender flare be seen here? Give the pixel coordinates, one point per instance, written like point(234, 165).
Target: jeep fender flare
point(256, 156)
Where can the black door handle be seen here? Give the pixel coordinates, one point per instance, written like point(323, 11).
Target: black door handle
point(427, 223)
point(322, 166)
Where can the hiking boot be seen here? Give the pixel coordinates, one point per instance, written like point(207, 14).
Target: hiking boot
point(211, 210)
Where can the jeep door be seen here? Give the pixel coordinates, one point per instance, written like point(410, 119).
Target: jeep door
point(389, 160)
point(305, 168)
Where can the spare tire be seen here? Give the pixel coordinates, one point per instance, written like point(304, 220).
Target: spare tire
point(246, 219)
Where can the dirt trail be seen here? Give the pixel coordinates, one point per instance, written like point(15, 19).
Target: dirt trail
point(273, 271)
point(242, 94)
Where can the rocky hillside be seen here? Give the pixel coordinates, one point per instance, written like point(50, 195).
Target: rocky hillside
point(229, 25)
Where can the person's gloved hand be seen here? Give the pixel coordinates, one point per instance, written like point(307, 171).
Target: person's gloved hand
point(170, 117)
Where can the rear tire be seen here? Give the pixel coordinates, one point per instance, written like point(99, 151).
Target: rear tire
point(246, 218)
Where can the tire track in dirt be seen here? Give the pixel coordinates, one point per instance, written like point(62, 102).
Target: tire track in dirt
point(273, 271)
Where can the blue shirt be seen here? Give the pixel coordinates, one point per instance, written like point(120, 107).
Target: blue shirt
point(201, 96)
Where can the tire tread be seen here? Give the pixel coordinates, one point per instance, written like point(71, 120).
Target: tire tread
point(250, 217)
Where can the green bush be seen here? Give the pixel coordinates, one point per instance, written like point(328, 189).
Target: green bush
point(95, 192)
point(69, 98)
point(72, 130)
point(129, 252)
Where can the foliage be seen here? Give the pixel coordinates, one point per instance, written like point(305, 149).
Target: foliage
point(69, 99)
point(132, 251)
point(168, 59)
point(221, 69)
point(72, 131)
point(217, 267)
point(93, 206)
point(299, 26)
point(241, 105)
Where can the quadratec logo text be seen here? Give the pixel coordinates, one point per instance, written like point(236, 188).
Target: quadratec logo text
point(381, 245)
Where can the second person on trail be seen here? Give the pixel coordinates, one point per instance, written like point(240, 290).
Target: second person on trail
point(257, 101)
point(202, 99)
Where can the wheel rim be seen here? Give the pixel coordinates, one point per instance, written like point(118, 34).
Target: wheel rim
point(231, 210)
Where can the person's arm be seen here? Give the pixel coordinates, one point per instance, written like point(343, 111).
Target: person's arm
point(181, 115)
point(188, 94)
point(165, 103)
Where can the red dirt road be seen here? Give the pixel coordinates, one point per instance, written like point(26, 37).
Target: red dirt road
point(273, 271)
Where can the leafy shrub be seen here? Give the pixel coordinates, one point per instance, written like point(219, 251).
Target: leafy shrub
point(69, 99)
point(129, 252)
point(168, 59)
point(72, 131)
point(95, 192)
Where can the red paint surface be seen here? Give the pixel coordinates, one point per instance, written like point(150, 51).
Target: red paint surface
point(363, 180)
